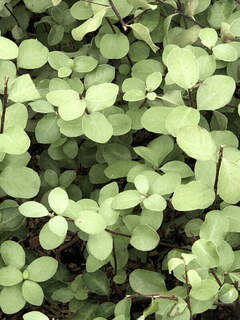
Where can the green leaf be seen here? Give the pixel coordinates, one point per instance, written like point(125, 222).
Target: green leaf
point(10, 276)
point(208, 37)
point(127, 199)
point(155, 202)
point(232, 213)
point(73, 110)
point(20, 182)
point(12, 254)
point(143, 33)
point(229, 181)
point(144, 238)
point(207, 290)
point(109, 215)
point(228, 293)
point(101, 96)
point(58, 200)
point(47, 130)
point(147, 282)
point(153, 81)
point(208, 97)
point(134, 95)
point(32, 293)
point(142, 69)
point(197, 143)
point(9, 50)
point(96, 127)
point(114, 46)
point(23, 89)
point(90, 222)
point(178, 167)
point(214, 228)
point(154, 119)
point(141, 184)
point(63, 295)
point(14, 140)
point(81, 10)
point(62, 97)
point(103, 73)
point(100, 245)
point(42, 269)
point(205, 252)
point(35, 315)
point(32, 54)
point(97, 282)
point(225, 52)
point(33, 209)
point(11, 299)
point(84, 64)
point(121, 123)
point(58, 225)
point(184, 198)
point(166, 183)
point(90, 25)
point(49, 240)
point(234, 27)
point(183, 67)
point(180, 117)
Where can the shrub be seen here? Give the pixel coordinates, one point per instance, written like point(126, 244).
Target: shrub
point(119, 159)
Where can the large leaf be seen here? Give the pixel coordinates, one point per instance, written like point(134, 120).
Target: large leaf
point(10, 276)
point(144, 238)
point(20, 182)
point(183, 67)
point(215, 92)
point(100, 245)
point(143, 33)
point(58, 200)
point(33, 209)
point(35, 315)
point(114, 46)
point(97, 282)
point(23, 89)
point(90, 222)
point(127, 199)
point(197, 143)
point(42, 269)
point(32, 292)
point(185, 199)
point(11, 299)
point(9, 50)
point(12, 254)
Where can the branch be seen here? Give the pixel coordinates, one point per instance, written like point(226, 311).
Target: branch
point(118, 15)
point(5, 100)
point(115, 258)
point(110, 24)
point(12, 14)
point(218, 168)
point(190, 97)
point(188, 293)
point(216, 278)
point(116, 233)
point(181, 10)
point(99, 4)
point(153, 295)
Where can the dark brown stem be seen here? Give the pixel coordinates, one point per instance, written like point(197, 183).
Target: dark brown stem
point(5, 100)
point(110, 24)
point(12, 14)
point(191, 98)
point(117, 15)
point(115, 258)
point(116, 233)
point(172, 246)
point(216, 277)
point(181, 10)
point(99, 4)
point(137, 16)
point(188, 293)
point(153, 295)
point(218, 168)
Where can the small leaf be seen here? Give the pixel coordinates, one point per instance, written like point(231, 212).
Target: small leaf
point(12, 254)
point(58, 225)
point(207, 290)
point(33, 209)
point(197, 143)
point(100, 245)
point(11, 299)
point(228, 293)
point(208, 37)
point(23, 89)
point(10, 276)
point(155, 202)
point(42, 269)
point(127, 199)
point(32, 293)
point(9, 50)
point(114, 46)
point(35, 315)
point(97, 282)
point(58, 200)
point(154, 119)
point(225, 52)
point(143, 33)
point(206, 254)
point(215, 92)
point(90, 222)
point(144, 238)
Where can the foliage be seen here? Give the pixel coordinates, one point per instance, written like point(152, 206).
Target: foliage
point(119, 159)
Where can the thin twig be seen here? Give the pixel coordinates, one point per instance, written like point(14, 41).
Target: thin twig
point(216, 277)
point(218, 168)
point(188, 292)
point(190, 10)
point(118, 15)
point(12, 14)
point(5, 100)
point(181, 10)
point(153, 295)
point(99, 4)
point(110, 24)
point(116, 233)
point(190, 97)
point(172, 246)
point(115, 258)
point(132, 20)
